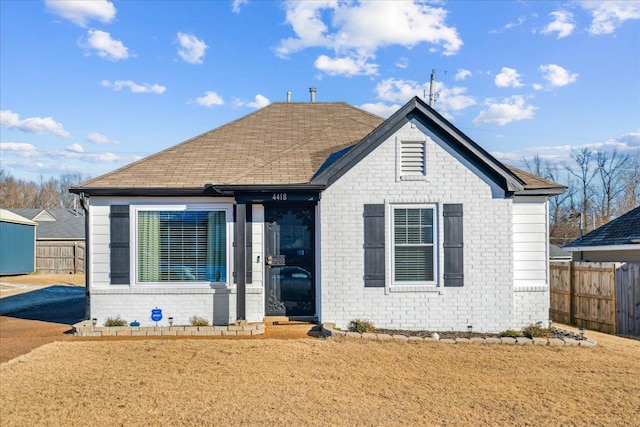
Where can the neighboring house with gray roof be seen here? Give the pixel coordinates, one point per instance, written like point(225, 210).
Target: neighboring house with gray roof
point(59, 239)
point(322, 211)
point(616, 241)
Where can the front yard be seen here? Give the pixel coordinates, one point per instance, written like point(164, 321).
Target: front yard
point(321, 382)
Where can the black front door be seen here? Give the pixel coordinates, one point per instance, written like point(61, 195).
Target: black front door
point(290, 260)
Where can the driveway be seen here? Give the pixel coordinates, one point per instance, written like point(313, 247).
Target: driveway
point(35, 318)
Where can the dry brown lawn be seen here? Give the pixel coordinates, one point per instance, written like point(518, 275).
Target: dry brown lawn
point(310, 382)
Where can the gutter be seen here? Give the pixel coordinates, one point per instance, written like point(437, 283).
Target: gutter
point(207, 190)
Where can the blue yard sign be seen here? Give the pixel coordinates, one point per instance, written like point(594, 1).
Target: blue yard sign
point(156, 314)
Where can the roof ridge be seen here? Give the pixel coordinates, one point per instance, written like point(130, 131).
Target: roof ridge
point(289, 148)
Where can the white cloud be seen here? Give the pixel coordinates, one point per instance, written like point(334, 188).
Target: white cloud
point(134, 87)
point(78, 153)
point(402, 62)
point(354, 31)
point(562, 24)
point(400, 91)
point(509, 110)
point(235, 7)
point(345, 66)
point(210, 99)
point(508, 78)
point(98, 138)
point(21, 149)
point(381, 109)
point(557, 76)
point(259, 102)
point(538, 86)
point(191, 49)
point(38, 125)
point(105, 46)
point(81, 11)
point(452, 99)
point(510, 25)
point(559, 154)
point(609, 15)
point(462, 74)
point(75, 148)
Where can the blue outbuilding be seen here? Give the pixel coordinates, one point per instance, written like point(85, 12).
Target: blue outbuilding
point(17, 244)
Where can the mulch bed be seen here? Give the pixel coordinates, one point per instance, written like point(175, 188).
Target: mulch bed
point(554, 333)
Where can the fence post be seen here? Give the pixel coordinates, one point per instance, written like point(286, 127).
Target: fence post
point(572, 318)
point(615, 300)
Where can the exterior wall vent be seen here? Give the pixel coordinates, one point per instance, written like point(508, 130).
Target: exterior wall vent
point(412, 157)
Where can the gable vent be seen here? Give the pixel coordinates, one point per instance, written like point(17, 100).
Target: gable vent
point(412, 157)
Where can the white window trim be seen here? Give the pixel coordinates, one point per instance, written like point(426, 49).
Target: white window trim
point(403, 286)
point(133, 243)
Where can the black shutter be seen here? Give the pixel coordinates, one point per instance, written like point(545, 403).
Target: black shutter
point(249, 243)
point(119, 220)
point(374, 246)
point(453, 245)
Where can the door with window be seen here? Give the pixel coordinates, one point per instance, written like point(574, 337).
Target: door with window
point(290, 260)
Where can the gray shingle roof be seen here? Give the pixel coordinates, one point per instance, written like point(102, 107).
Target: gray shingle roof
point(281, 144)
point(68, 224)
point(620, 231)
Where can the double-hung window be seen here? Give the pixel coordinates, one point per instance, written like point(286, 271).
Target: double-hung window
point(181, 244)
point(414, 251)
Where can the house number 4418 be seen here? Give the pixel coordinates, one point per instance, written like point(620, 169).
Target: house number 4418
point(279, 196)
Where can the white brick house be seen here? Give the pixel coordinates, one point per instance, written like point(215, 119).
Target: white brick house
point(323, 211)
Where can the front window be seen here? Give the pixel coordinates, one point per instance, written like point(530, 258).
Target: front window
point(414, 257)
point(181, 246)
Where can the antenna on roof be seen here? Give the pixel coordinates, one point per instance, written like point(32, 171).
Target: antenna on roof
point(432, 95)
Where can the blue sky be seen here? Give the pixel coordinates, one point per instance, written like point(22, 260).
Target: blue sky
point(88, 86)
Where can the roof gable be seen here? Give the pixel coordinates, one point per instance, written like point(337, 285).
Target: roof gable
point(12, 217)
point(624, 230)
point(417, 109)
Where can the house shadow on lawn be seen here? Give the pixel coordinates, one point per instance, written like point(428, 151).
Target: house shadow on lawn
point(54, 304)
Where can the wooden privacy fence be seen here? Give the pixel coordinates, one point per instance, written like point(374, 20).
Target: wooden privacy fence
point(601, 296)
point(60, 257)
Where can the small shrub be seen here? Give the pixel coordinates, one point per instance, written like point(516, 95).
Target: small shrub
point(510, 333)
point(198, 321)
point(534, 331)
point(115, 321)
point(359, 325)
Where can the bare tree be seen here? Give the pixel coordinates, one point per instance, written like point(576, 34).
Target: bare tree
point(611, 167)
point(584, 172)
point(631, 183)
point(52, 193)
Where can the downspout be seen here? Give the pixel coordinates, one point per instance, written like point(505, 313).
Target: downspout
point(84, 202)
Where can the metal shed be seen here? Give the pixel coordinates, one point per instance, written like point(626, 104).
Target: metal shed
point(17, 244)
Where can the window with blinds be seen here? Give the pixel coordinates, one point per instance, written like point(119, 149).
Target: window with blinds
point(413, 244)
point(182, 246)
point(412, 157)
